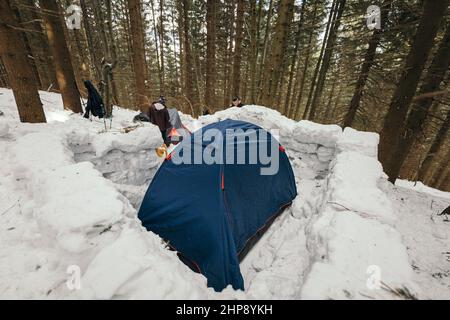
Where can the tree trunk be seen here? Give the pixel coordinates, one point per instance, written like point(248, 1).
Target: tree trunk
point(175, 81)
point(326, 59)
point(439, 141)
point(100, 23)
point(29, 52)
point(441, 173)
point(445, 184)
point(139, 65)
point(161, 37)
point(272, 71)
point(112, 50)
point(190, 93)
point(253, 55)
point(228, 56)
point(265, 49)
point(210, 91)
point(3, 76)
point(294, 59)
point(182, 52)
point(295, 113)
point(369, 60)
point(95, 60)
point(18, 68)
point(157, 51)
point(329, 108)
point(238, 47)
point(433, 12)
point(63, 65)
point(319, 60)
point(39, 46)
point(418, 114)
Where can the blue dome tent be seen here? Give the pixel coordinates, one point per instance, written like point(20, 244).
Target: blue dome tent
point(212, 214)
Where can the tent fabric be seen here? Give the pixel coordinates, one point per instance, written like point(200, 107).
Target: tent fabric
point(211, 213)
point(178, 130)
point(175, 119)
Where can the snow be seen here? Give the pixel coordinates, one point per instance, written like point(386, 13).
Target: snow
point(354, 232)
point(363, 142)
point(69, 193)
point(426, 236)
point(420, 187)
point(353, 186)
point(310, 132)
point(4, 129)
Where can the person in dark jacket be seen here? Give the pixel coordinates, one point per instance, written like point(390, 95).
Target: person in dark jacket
point(236, 102)
point(159, 116)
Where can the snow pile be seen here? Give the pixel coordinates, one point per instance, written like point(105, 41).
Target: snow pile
point(4, 129)
point(56, 214)
point(115, 153)
point(426, 235)
point(356, 251)
point(312, 142)
point(365, 143)
point(420, 187)
point(69, 193)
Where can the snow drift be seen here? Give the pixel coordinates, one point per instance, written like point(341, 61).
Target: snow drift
point(69, 193)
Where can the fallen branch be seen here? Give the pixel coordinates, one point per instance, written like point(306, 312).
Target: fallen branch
point(3, 213)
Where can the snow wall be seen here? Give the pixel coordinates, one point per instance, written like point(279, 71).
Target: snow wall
point(70, 215)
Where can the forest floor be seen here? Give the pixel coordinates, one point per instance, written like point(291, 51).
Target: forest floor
point(69, 193)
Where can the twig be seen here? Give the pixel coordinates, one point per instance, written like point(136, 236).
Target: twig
point(341, 206)
point(4, 212)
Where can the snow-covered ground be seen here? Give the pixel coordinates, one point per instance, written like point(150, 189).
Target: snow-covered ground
point(69, 193)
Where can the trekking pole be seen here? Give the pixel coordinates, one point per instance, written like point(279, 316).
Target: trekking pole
point(81, 98)
point(111, 117)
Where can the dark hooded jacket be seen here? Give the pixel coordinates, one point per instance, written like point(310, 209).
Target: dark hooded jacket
point(159, 115)
point(95, 102)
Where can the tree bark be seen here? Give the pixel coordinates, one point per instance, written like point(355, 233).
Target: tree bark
point(369, 60)
point(295, 113)
point(253, 54)
point(326, 59)
point(265, 49)
point(182, 52)
point(161, 37)
point(438, 142)
point(157, 51)
point(433, 12)
point(445, 184)
point(139, 65)
point(210, 91)
point(418, 114)
point(190, 93)
point(319, 60)
point(238, 47)
point(293, 68)
point(95, 60)
point(63, 65)
point(441, 173)
point(18, 68)
point(100, 23)
point(228, 56)
point(26, 42)
point(272, 71)
point(176, 81)
point(41, 49)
